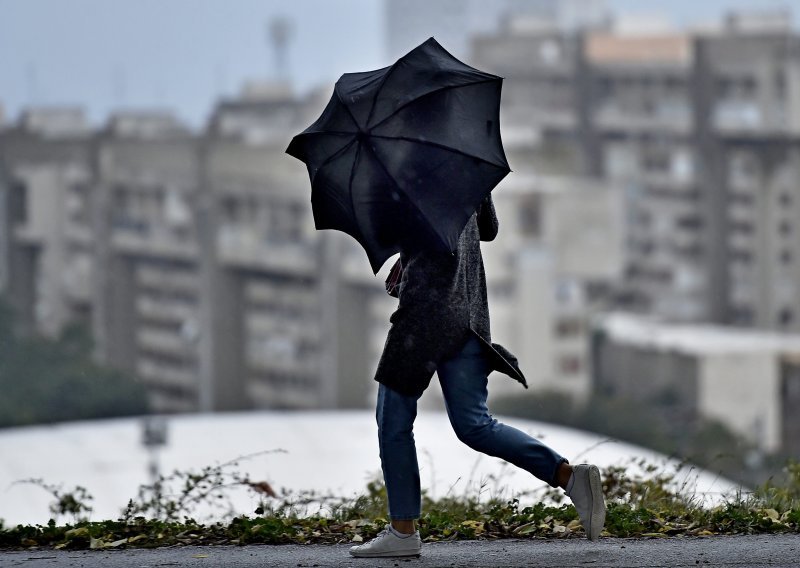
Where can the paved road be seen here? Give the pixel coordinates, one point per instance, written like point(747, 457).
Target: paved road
point(739, 551)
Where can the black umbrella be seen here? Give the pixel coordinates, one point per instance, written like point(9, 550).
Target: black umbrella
point(402, 157)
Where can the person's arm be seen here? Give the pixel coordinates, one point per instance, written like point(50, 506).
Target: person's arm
point(488, 225)
point(426, 282)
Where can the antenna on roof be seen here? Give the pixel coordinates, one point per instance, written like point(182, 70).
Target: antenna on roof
point(279, 32)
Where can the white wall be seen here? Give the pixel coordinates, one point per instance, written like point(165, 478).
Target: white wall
point(742, 390)
point(45, 190)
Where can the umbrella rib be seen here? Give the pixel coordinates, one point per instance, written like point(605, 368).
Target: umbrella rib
point(378, 92)
point(336, 154)
point(347, 108)
point(350, 189)
point(437, 145)
point(433, 92)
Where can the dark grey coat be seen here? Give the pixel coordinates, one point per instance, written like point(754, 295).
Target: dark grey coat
point(442, 301)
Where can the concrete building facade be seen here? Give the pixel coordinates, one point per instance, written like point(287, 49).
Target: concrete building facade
point(560, 247)
point(192, 258)
point(652, 173)
point(453, 22)
point(744, 379)
point(696, 127)
point(45, 234)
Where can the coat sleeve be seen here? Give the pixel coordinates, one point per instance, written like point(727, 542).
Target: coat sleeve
point(488, 225)
point(428, 278)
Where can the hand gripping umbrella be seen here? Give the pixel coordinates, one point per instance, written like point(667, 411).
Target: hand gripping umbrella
point(401, 157)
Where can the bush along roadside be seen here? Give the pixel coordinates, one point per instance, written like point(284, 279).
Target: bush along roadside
point(647, 505)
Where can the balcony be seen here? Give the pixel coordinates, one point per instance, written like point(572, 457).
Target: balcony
point(287, 366)
point(145, 240)
point(28, 235)
point(166, 375)
point(155, 310)
point(267, 325)
point(242, 248)
point(266, 395)
point(79, 234)
point(671, 119)
point(163, 342)
point(167, 279)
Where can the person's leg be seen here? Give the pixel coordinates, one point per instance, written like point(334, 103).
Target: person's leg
point(464, 381)
point(464, 385)
point(395, 414)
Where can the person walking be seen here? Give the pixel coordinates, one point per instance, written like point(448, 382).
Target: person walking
point(441, 325)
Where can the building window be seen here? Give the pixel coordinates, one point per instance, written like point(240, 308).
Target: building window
point(647, 247)
point(786, 316)
point(742, 315)
point(530, 216)
point(689, 222)
point(570, 364)
point(741, 256)
point(18, 206)
point(568, 327)
point(741, 198)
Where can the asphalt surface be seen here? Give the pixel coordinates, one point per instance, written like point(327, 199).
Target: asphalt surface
point(722, 551)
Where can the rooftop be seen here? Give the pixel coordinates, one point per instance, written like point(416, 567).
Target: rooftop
point(700, 339)
point(662, 48)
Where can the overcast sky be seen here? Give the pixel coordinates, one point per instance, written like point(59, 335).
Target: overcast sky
point(185, 54)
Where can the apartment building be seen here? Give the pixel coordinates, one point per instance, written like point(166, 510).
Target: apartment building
point(192, 257)
point(695, 127)
point(146, 292)
point(45, 233)
point(558, 253)
point(296, 331)
point(745, 379)
point(453, 22)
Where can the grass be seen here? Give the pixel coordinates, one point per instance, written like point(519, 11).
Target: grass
point(646, 505)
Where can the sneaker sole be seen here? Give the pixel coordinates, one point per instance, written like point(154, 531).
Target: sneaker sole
point(598, 516)
point(399, 554)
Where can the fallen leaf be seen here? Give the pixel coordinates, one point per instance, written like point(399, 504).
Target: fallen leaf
point(95, 543)
point(527, 528)
point(476, 526)
point(771, 513)
point(80, 531)
point(199, 555)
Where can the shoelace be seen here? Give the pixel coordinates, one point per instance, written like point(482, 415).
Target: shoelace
point(378, 537)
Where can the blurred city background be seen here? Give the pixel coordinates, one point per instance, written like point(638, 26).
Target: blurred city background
point(158, 254)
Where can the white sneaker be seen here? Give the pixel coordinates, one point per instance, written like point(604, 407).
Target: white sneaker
point(587, 496)
point(388, 544)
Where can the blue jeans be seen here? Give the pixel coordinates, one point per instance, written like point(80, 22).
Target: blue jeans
point(464, 380)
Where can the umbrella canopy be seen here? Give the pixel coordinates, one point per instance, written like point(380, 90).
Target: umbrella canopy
point(401, 157)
